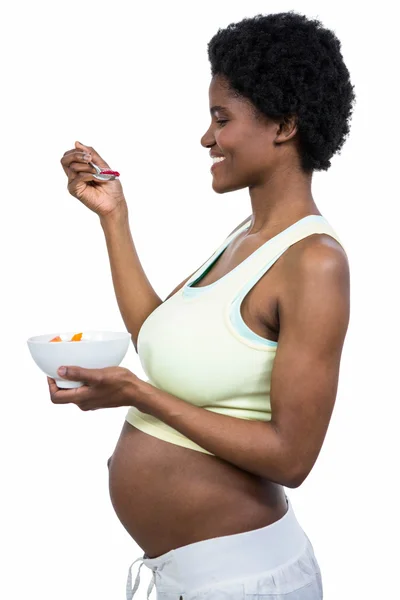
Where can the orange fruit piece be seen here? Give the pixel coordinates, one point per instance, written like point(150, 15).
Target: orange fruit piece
point(77, 337)
point(56, 339)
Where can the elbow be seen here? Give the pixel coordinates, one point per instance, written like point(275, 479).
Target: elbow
point(296, 477)
point(286, 477)
point(292, 467)
point(295, 482)
point(293, 474)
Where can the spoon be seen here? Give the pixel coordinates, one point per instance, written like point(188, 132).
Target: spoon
point(108, 175)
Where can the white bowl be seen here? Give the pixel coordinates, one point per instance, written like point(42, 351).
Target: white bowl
point(96, 350)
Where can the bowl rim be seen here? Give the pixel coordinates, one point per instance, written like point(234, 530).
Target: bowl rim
point(121, 335)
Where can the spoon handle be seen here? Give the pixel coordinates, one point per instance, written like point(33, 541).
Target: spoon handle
point(95, 167)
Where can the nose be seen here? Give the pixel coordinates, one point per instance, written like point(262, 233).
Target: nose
point(108, 462)
point(207, 140)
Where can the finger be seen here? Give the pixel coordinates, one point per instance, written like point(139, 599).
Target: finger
point(74, 396)
point(74, 156)
point(76, 150)
point(97, 159)
point(52, 385)
point(86, 177)
point(81, 167)
point(74, 373)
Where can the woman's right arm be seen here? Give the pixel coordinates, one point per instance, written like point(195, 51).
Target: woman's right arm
point(135, 296)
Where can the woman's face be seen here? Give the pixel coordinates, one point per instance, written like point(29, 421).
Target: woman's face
point(246, 142)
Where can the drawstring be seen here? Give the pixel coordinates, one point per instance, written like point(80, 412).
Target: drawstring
point(131, 591)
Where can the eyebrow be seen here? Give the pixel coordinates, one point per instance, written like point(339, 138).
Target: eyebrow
point(214, 109)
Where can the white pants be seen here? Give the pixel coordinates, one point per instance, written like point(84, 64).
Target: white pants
point(276, 562)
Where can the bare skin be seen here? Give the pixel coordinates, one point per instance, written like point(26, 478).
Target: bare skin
point(167, 496)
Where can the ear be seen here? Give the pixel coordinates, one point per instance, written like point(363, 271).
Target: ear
point(287, 128)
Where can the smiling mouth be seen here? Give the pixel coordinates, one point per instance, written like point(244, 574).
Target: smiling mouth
point(216, 163)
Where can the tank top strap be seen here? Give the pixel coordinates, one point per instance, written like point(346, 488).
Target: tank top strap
point(246, 274)
point(254, 266)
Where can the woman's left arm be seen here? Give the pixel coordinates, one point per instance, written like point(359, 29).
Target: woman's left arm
point(314, 311)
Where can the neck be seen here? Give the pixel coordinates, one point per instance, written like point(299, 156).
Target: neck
point(280, 200)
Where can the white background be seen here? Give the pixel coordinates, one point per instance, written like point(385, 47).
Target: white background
point(132, 81)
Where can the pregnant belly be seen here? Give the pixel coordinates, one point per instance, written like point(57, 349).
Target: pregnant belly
point(167, 496)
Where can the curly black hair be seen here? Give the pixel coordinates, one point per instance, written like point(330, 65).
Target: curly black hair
point(288, 65)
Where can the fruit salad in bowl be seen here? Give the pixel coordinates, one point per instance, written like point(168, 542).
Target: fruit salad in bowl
point(88, 349)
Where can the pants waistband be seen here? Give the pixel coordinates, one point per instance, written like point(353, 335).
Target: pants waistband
point(248, 553)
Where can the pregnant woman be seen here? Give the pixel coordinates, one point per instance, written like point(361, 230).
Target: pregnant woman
point(242, 358)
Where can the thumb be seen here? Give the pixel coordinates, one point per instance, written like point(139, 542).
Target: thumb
point(78, 144)
point(78, 373)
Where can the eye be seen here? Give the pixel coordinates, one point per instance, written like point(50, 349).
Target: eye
point(220, 121)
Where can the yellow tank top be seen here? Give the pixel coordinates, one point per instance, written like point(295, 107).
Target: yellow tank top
point(197, 347)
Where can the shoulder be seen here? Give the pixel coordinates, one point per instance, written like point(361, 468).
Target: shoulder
point(315, 290)
point(312, 263)
point(316, 254)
